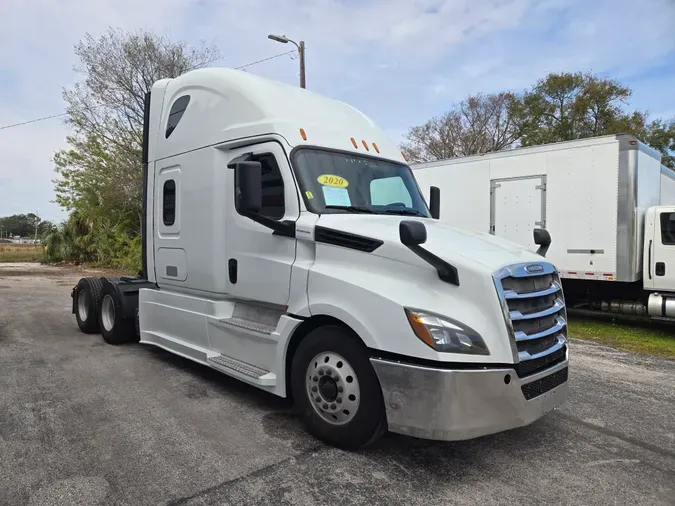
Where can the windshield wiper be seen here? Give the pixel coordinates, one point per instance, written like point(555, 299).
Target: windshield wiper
point(353, 209)
point(404, 212)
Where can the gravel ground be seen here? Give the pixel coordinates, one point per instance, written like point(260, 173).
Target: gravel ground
point(84, 423)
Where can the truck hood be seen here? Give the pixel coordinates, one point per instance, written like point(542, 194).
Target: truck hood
point(452, 244)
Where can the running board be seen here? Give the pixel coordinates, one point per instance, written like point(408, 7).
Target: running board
point(252, 373)
point(247, 325)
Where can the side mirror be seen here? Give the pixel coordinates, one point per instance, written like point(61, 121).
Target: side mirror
point(412, 233)
point(248, 181)
point(542, 238)
point(435, 202)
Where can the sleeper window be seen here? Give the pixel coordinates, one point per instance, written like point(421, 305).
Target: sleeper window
point(176, 113)
point(668, 229)
point(169, 202)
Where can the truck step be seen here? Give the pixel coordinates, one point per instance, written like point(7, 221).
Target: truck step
point(241, 323)
point(258, 375)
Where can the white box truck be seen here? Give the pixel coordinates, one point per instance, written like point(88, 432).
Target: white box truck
point(287, 244)
point(607, 202)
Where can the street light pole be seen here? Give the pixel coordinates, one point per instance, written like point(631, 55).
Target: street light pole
point(301, 52)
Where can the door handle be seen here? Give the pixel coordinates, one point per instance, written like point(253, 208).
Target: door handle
point(649, 260)
point(660, 269)
point(232, 270)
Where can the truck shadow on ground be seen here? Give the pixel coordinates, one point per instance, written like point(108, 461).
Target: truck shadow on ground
point(279, 420)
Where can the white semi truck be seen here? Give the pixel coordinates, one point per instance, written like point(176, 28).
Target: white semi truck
point(287, 244)
point(607, 201)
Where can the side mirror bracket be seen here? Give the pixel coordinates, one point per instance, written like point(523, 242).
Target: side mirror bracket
point(542, 238)
point(414, 233)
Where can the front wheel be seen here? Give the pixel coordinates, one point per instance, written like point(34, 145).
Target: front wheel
point(336, 389)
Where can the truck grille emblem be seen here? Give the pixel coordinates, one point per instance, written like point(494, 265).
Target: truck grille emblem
point(534, 268)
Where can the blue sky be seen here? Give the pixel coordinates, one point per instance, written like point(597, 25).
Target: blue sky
point(399, 61)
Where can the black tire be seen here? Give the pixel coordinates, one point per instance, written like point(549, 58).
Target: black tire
point(369, 422)
point(91, 290)
point(114, 328)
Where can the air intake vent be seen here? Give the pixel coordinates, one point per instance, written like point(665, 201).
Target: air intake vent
point(346, 240)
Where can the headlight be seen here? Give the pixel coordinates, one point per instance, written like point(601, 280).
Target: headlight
point(446, 335)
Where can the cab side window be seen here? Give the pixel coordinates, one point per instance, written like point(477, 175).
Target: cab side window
point(273, 201)
point(667, 229)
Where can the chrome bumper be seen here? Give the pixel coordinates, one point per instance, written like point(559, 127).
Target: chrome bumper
point(453, 405)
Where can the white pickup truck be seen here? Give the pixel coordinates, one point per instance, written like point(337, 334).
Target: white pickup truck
point(286, 243)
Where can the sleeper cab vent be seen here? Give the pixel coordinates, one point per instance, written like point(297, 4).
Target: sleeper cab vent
point(346, 240)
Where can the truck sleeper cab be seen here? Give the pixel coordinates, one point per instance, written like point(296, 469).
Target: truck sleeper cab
point(286, 243)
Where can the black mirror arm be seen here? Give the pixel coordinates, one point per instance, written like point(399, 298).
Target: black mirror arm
point(283, 228)
point(543, 249)
point(446, 272)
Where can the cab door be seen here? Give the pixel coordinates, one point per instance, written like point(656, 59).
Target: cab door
point(660, 249)
point(259, 262)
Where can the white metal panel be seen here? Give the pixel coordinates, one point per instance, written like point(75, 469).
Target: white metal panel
point(465, 192)
point(648, 195)
point(227, 104)
point(667, 196)
point(517, 208)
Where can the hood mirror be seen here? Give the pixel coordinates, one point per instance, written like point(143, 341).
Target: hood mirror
point(435, 202)
point(542, 238)
point(412, 233)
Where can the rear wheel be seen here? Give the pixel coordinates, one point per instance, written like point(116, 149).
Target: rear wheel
point(88, 295)
point(114, 328)
point(336, 389)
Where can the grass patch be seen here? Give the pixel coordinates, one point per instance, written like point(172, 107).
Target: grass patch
point(637, 339)
point(21, 253)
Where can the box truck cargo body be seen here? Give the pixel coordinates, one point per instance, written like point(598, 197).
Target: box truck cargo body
point(607, 203)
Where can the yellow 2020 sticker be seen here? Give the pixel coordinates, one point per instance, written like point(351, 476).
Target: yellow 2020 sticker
point(333, 181)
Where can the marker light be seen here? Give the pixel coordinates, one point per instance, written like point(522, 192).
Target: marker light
point(365, 145)
point(303, 134)
point(354, 143)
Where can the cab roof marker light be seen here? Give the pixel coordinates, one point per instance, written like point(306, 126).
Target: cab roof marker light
point(303, 134)
point(376, 148)
point(365, 145)
point(404, 157)
point(354, 143)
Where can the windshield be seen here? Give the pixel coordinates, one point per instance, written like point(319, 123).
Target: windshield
point(335, 182)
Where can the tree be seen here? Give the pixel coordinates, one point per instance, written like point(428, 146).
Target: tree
point(99, 175)
point(577, 105)
point(478, 124)
point(22, 225)
point(560, 107)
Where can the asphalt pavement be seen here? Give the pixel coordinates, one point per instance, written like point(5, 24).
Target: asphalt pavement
point(85, 423)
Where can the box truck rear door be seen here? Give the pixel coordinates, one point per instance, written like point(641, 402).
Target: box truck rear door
point(517, 207)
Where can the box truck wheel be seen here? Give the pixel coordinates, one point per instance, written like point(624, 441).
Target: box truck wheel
point(336, 389)
point(114, 328)
point(88, 295)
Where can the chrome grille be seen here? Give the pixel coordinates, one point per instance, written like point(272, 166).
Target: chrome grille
point(534, 309)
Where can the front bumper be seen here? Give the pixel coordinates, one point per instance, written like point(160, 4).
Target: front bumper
point(453, 405)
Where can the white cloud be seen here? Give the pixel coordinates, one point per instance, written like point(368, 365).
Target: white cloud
point(400, 61)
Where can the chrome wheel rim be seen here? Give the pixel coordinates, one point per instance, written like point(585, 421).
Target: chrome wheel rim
point(82, 307)
point(333, 388)
point(108, 313)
